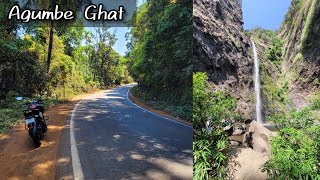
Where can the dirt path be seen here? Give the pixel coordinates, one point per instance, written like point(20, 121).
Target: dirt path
point(19, 159)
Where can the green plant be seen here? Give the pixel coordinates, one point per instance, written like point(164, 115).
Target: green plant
point(298, 58)
point(160, 50)
point(295, 7)
point(295, 154)
point(315, 102)
point(183, 111)
point(296, 148)
point(209, 143)
point(208, 155)
point(274, 53)
point(305, 36)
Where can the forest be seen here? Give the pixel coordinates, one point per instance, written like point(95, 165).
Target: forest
point(56, 60)
point(160, 55)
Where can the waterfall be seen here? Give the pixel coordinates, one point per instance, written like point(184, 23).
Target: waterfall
point(257, 85)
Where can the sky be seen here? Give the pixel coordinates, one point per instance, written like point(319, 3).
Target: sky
point(267, 14)
point(120, 45)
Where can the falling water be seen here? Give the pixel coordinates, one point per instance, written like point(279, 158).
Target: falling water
point(257, 84)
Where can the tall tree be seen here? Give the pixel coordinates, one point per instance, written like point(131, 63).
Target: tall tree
point(105, 41)
point(161, 49)
point(75, 6)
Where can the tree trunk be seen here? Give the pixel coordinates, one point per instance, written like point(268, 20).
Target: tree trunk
point(50, 45)
point(52, 6)
point(101, 69)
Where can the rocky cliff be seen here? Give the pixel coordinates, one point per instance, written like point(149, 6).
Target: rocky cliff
point(301, 52)
point(222, 49)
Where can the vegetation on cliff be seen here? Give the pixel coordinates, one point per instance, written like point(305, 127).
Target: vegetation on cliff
point(160, 51)
point(210, 141)
point(289, 67)
point(300, 32)
point(295, 149)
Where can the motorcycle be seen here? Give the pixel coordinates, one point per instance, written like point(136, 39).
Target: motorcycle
point(35, 121)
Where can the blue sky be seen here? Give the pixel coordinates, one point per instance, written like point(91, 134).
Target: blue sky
point(120, 46)
point(267, 14)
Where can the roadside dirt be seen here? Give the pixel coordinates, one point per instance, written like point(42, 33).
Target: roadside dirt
point(20, 159)
point(160, 112)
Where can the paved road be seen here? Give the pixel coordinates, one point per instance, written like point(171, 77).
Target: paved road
point(115, 139)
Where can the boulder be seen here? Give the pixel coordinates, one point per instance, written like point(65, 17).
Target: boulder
point(240, 138)
point(235, 143)
point(239, 129)
point(258, 137)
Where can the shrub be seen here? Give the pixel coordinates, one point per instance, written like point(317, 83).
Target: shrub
point(208, 155)
point(209, 143)
point(295, 154)
point(274, 53)
point(296, 148)
point(315, 102)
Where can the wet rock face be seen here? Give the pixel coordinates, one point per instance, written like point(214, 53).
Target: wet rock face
point(222, 49)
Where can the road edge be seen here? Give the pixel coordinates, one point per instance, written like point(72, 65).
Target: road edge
point(76, 164)
point(151, 110)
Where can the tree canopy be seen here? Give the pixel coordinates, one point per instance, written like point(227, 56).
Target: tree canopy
point(160, 50)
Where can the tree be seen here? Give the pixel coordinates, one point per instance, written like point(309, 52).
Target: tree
point(75, 6)
point(161, 50)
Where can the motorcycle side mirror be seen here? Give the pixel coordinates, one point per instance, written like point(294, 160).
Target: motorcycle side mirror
point(19, 98)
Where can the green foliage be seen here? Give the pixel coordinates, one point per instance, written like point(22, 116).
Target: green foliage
point(298, 58)
point(274, 53)
point(74, 67)
point(208, 103)
point(276, 92)
point(181, 111)
point(315, 102)
point(295, 7)
point(160, 50)
point(294, 118)
point(306, 36)
point(266, 36)
point(208, 145)
point(295, 154)
point(208, 155)
point(11, 111)
point(296, 148)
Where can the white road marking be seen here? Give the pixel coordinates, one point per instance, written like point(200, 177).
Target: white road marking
point(145, 110)
point(76, 164)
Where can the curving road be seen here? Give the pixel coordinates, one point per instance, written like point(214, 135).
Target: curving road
point(109, 137)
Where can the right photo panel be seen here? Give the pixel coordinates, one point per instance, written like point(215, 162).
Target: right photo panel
point(256, 89)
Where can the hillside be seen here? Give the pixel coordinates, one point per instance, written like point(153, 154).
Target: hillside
point(223, 77)
point(223, 51)
point(301, 50)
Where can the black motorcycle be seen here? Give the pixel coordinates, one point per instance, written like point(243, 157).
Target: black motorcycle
point(35, 121)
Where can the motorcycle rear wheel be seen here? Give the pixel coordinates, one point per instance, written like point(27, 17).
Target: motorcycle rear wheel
point(36, 140)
